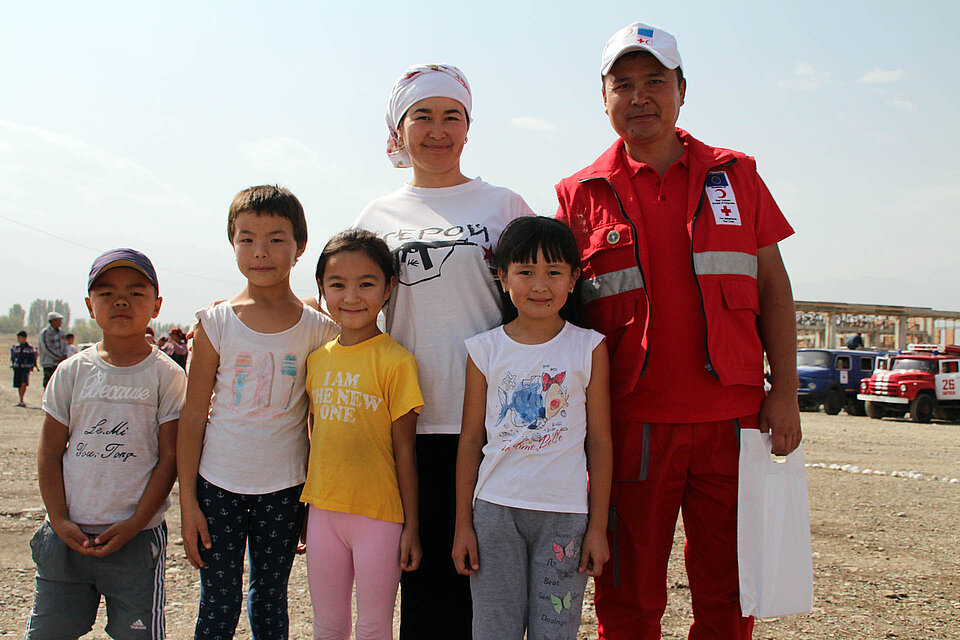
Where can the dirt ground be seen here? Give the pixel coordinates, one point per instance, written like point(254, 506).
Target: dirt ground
point(886, 549)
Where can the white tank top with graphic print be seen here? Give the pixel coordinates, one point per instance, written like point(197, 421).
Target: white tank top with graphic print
point(256, 436)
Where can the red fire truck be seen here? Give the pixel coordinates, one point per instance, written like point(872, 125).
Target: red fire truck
point(924, 379)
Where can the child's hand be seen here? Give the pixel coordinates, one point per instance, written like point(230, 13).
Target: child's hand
point(410, 551)
point(193, 525)
point(465, 555)
point(72, 536)
point(114, 538)
point(594, 552)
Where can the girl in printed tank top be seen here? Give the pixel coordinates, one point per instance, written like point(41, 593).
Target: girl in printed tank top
point(536, 425)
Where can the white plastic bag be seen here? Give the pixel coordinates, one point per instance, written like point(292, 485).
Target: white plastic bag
point(773, 531)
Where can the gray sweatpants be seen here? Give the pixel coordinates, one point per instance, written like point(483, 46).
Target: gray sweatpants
point(528, 577)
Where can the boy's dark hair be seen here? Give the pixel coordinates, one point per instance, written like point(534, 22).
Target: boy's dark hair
point(69, 335)
point(358, 240)
point(21, 334)
point(269, 200)
point(521, 240)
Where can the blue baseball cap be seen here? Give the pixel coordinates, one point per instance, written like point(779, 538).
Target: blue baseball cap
point(123, 258)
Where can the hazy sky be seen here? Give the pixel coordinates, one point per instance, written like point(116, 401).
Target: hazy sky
point(127, 124)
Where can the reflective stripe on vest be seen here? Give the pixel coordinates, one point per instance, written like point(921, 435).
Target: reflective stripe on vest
point(717, 263)
point(609, 284)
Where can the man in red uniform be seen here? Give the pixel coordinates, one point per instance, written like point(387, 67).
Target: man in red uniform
point(683, 275)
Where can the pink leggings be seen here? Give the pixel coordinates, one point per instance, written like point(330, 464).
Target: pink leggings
point(339, 547)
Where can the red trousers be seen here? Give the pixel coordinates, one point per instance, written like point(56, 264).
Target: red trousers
point(660, 470)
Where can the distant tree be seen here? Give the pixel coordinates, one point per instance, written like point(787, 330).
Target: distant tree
point(37, 320)
point(17, 314)
point(86, 330)
point(13, 321)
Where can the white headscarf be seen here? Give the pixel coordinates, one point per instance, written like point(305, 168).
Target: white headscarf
point(417, 83)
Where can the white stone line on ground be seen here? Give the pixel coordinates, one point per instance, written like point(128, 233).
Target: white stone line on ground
point(852, 468)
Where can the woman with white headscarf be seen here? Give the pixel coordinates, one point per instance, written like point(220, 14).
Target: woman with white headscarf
point(442, 228)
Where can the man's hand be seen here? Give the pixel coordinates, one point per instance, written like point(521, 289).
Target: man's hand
point(780, 416)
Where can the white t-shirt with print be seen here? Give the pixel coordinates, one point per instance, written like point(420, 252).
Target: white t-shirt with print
point(113, 415)
point(442, 240)
point(256, 437)
point(536, 419)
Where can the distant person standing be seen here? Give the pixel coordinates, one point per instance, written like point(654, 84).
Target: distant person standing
point(71, 348)
point(53, 346)
point(855, 342)
point(176, 347)
point(23, 359)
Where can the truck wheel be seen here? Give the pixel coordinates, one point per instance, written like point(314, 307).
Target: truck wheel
point(833, 402)
point(921, 409)
point(874, 409)
point(855, 407)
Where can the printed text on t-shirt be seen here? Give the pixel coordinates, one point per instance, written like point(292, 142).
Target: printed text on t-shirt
point(339, 398)
point(111, 450)
point(94, 387)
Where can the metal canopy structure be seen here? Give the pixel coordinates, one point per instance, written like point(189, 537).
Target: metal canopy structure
point(830, 324)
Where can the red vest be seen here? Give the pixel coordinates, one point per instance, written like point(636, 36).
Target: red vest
point(599, 205)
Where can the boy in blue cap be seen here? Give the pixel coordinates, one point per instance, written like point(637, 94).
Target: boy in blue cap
point(106, 464)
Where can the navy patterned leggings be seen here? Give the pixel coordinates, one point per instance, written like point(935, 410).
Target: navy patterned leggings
point(270, 525)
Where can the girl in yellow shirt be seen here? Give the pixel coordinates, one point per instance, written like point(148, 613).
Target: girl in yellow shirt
point(362, 482)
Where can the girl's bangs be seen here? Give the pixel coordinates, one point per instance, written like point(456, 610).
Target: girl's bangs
point(551, 241)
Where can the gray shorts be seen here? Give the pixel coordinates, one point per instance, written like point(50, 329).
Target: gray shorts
point(69, 586)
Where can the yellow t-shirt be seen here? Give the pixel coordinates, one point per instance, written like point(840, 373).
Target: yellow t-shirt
point(355, 394)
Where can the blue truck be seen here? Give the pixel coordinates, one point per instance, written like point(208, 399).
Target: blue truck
point(831, 377)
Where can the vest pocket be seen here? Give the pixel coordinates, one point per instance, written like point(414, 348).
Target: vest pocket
point(606, 237)
point(735, 344)
point(741, 294)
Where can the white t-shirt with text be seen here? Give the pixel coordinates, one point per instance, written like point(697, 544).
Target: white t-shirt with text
point(113, 415)
point(442, 240)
